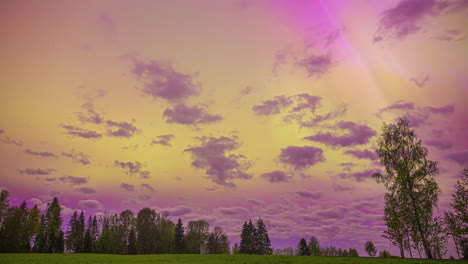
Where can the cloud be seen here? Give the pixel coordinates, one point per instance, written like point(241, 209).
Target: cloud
point(420, 80)
point(439, 144)
point(78, 157)
point(221, 167)
point(342, 188)
point(80, 132)
point(41, 154)
point(7, 140)
point(397, 105)
point(164, 140)
point(91, 204)
point(106, 22)
point(336, 212)
point(147, 187)
point(301, 157)
point(246, 91)
point(90, 117)
point(276, 176)
point(178, 210)
point(35, 201)
point(160, 80)
point(316, 65)
point(408, 17)
point(443, 110)
point(362, 154)
point(274, 106)
point(127, 187)
point(124, 129)
point(360, 176)
point(73, 180)
point(359, 134)
point(36, 171)
point(232, 210)
point(189, 115)
point(281, 58)
point(460, 157)
point(132, 168)
point(85, 190)
point(312, 195)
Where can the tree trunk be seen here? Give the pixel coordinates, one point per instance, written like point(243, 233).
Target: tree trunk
point(409, 244)
point(456, 245)
point(418, 223)
point(402, 250)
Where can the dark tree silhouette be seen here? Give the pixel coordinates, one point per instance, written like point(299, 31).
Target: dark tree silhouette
point(302, 248)
point(370, 249)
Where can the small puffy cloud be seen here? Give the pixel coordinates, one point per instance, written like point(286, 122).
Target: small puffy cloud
point(439, 144)
point(276, 176)
point(397, 105)
point(127, 187)
point(342, 188)
point(164, 140)
point(91, 204)
point(133, 168)
point(460, 157)
point(232, 210)
point(443, 110)
point(246, 91)
point(417, 116)
point(179, 211)
point(73, 180)
point(161, 80)
point(36, 171)
point(190, 115)
point(78, 157)
point(336, 212)
point(316, 65)
point(358, 135)
point(311, 195)
point(301, 157)
point(85, 190)
point(216, 156)
point(41, 154)
point(35, 201)
point(80, 132)
point(7, 140)
point(147, 187)
point(121, 129)
point(273, 106)
point(90, 116)
point(362, 154)
point(420, 80)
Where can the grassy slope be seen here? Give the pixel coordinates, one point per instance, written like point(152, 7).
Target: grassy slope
point(199, 259)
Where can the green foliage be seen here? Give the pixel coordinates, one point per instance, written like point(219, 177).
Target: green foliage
point(385, 254)
point(370, 249)
point(217, 242)
point(353, 252)
point(409, 179)
point(179, 237)
point(302, 248)
point(314, 246)
point(197, 232)
point(255, 239)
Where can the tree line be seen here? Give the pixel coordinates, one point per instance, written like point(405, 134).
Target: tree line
point(412, 194)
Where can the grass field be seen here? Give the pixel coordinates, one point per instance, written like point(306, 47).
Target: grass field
point(205, 259)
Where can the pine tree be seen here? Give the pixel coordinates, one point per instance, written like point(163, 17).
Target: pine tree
point(53, 222)
point(179, 238)
point(71, 233)
point(80, 233)
point(262, 242)
point(247, 244)
point(314, 246)
point(87, 242)
point(302, 248)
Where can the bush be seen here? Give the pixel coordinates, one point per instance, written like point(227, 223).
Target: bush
point(385, 254)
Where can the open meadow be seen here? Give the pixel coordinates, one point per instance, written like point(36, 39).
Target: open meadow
point(205, 259)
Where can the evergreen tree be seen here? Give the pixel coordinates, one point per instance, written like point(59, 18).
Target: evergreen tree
point(302, 248)
point(314, 246)
point(262, 245)
point(87, 242)
point(179, 238)
point(247, 243)
point(71, 233)
point(53, 222)
point(80, 233)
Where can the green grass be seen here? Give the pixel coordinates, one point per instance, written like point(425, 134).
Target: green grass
point(199, 259)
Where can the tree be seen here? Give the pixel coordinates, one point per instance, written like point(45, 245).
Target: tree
point(235, 249)
point(71, 233)
point(457, 221)
point(370, 249)
point(217, 242)
point(262, 242)
point(353, 252)
point(302, 248)
point(385, 254)
point(132, 248)
point(146, 232)
point(197, 232)
point(395, 217)
point(409, 174)
point(314, 246)
point(437, 237)
point(54, 241)
point(248, 238)
point(179, 238)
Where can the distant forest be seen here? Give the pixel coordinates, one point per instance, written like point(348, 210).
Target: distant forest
point(412, 193)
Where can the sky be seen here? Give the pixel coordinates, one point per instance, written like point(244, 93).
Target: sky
point(229, 110)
